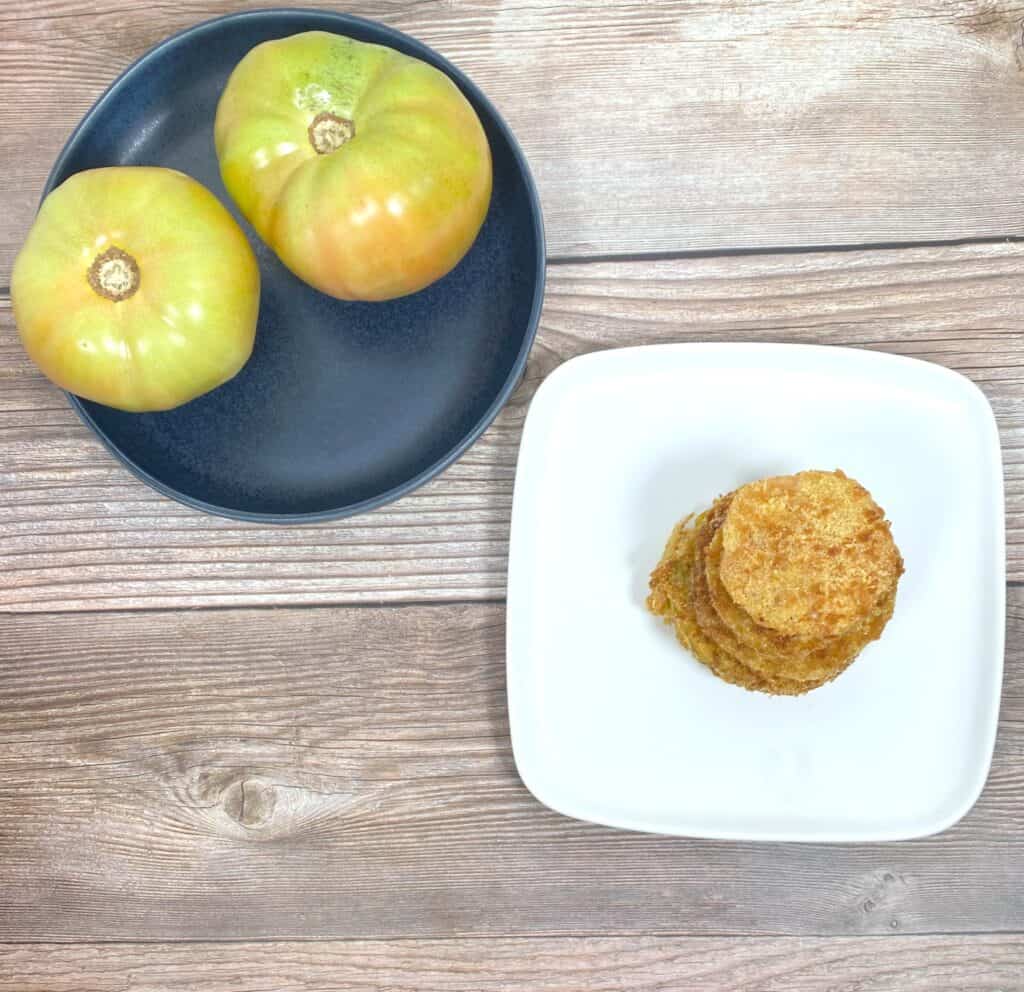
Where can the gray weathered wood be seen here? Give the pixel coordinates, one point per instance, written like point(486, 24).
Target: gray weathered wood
point(347, 772)
point(653, 126)
point(598, 964)
point(79, 533)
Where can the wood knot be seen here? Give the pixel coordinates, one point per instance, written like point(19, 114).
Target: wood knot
point(883, 894)
point(250, 802)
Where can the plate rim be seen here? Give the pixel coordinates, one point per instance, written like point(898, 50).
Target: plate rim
point(557, 382)
point(515, 374)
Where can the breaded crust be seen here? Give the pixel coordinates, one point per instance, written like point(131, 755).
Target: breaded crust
point(815, 555)
point(808, 555)
point(800, 659)
point(670, 598)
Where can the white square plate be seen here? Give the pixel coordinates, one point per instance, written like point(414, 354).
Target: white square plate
point(613, 722)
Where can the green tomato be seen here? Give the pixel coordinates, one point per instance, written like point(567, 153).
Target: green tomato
point(136, 288)
point(365, 170)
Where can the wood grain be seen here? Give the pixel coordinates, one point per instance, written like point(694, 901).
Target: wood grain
point(79, 533)
point(347, 772)
point(654, 126)
point(609, 964)
point(344, 771)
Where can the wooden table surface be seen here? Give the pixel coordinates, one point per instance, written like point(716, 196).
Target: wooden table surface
point(236, 757)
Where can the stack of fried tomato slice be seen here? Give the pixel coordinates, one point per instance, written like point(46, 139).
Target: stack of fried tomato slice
point(780, 585)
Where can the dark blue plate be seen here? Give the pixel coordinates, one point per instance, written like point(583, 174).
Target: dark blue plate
point(343, 406)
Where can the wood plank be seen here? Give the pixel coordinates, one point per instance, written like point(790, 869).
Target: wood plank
point(645, 964)
point(347, 772)
point(79, 533)
point(654, 126)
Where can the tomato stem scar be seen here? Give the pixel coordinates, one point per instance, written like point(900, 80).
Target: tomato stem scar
point(328, 132)
point(114, 274)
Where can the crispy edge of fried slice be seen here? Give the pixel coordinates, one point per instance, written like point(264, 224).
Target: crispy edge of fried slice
point(808, 554)
point(670, 599)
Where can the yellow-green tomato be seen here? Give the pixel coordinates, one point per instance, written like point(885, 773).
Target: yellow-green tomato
point(136, 288)
point(365, 170)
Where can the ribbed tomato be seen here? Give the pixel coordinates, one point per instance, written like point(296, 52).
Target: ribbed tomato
point(136, 288)
point(367, 171)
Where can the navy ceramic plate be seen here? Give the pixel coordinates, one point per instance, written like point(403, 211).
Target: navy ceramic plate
point(343, 406)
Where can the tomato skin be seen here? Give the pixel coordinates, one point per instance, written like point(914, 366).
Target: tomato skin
point(389, 211)
point(190, 324)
